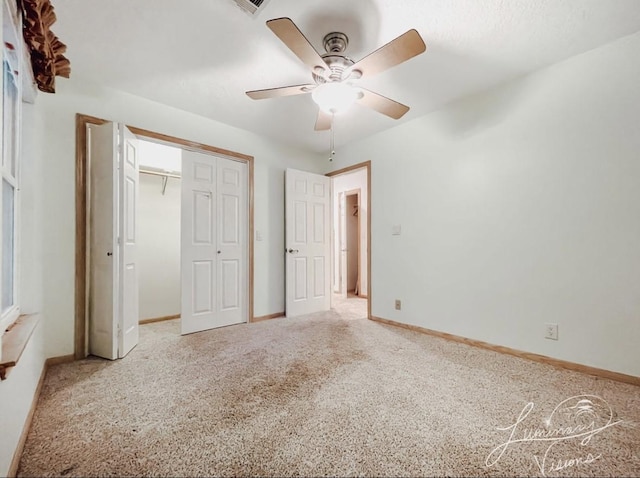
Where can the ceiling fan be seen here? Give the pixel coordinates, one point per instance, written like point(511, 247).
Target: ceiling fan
point(334, 73)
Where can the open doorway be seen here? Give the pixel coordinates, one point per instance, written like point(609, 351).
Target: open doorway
point(159, 232)
point(350, 253)
point(351, 241)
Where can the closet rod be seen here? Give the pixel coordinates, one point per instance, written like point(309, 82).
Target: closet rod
point(158, 173)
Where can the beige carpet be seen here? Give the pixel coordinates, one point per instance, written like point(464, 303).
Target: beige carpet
point(326, 395)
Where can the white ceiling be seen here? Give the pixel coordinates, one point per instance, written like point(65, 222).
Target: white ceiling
point(202, 55)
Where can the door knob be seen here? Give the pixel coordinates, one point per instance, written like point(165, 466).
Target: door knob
point(109, 254)
point(293, 251)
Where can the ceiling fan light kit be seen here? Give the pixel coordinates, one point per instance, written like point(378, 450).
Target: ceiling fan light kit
point(334, 97)
point(334, 74)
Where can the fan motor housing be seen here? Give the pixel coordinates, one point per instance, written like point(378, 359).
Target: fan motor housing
point(334, 43)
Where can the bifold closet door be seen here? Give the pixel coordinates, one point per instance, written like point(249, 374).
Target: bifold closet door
point(129, 287)
point(113, 272)
point(233, 225)
point(214, 229)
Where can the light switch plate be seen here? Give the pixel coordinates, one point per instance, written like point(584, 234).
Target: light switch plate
point(396, 230)
point(258, 236)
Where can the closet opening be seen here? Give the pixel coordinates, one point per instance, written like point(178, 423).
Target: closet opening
point(158, 216)
point(123, 173)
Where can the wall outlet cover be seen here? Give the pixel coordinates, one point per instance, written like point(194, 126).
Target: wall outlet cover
point(551, 331)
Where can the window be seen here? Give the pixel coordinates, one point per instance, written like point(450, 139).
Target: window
point(9, 193)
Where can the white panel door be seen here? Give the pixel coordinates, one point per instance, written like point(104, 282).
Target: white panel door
point(113, 280)
point(198, 242)
point(213, 242)
point(129, 173)
point(103, 230)
point(232, 227)
point(308, 247)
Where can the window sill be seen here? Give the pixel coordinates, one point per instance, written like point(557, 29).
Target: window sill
point(14, 342)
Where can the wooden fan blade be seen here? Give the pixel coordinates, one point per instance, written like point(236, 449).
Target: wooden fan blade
point(397, 51)
point(288, 32)
point(278, 92)
point(382, 104)
point(323, 122)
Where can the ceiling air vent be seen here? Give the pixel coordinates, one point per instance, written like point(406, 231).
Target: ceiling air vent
point(252, 7)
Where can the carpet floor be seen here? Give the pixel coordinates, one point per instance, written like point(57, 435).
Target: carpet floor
point(326, 395)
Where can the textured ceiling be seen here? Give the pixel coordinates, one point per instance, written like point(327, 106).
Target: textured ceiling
point(202, 55)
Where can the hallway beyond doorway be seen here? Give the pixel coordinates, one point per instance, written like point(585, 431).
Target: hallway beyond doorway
point(351, 307)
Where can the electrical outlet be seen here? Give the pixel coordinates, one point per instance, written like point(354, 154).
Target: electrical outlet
point(551, 331)
point(398, 304)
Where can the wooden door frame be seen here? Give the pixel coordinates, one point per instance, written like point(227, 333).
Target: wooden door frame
point(82, 248)
point(364, 165)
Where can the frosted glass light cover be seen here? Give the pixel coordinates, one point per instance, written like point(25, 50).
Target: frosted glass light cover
point(334, 97)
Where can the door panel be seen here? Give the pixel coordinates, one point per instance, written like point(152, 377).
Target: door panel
point(130, 212)
point(318, 278)
point(129, 180)
point(198, 249)
point(232, 189)
point(230, 281)
point(230, 211)
point(319, 222)
point(103, 303)
point(300, 278)
point(308, 245)
point(214, 242)
point(300, 222)
point(203, 276)
point(113, 272)
point(202, 218)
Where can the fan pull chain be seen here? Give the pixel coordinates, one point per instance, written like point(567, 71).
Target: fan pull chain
point(332, 145)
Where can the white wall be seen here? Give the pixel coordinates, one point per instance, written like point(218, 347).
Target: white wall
point(16, 396)
point(347, 182)
point(159, 247)
point(58, 227)
point(518, 207)
point(17, 391)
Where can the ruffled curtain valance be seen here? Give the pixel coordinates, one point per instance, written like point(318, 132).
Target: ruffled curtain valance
point(46, 49)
